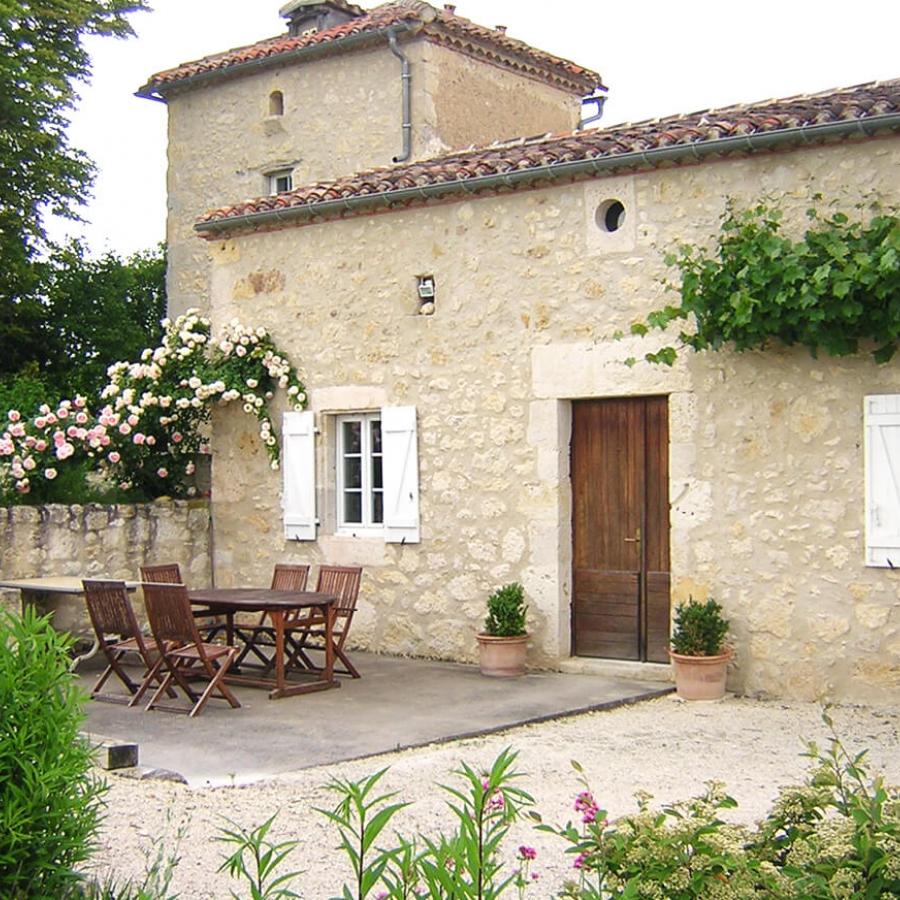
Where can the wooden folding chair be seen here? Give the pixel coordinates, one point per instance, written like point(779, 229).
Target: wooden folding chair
point(118, 634)
point(307, 632)
point(255, 637)
point(170, 573)
point(185, 654)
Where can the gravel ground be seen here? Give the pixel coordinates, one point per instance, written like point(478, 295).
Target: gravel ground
point(664, 746)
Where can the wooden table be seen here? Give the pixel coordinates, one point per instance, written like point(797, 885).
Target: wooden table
point(277, 604)
point(37, 592)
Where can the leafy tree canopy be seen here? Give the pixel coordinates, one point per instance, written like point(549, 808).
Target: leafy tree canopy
point(42, 57)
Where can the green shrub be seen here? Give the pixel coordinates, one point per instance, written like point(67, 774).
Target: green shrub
point(506, 612)
point(700, 629)
point(49, 799)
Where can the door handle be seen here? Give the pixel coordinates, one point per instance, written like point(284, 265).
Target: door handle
point(636, 539)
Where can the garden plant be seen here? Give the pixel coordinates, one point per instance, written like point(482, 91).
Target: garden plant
point(144, 440)
point(832, 289)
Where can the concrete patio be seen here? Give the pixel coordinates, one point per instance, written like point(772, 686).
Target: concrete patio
point(398, 703)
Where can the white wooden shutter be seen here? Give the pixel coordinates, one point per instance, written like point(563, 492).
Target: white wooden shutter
point(882, 444)
point(298, 463)
point(400, 466)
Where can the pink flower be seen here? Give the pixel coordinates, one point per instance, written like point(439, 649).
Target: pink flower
point(17, 430)
point(176, 437)
point(585, 804)
point(49, 474)
point(162, 472)
point(139, 438)
point(14, 415)
point(580, 860)
point(40, 422)
point(124, 428)
point(133, 420)
point(81, 418)
point(114, 457)
point(59, 438)
point(28, 463)
point(40, 445)
point(62, 412)
point(151, 440)
point(527, 852)
point(71, 431)
point(190, 468)
point(23, 487)
point(64, 451)
point(79, 402)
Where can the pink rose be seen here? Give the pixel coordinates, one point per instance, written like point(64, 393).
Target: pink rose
point(14, 415)
point(49, 474)
point(114, 457)
point(176, 437)
point(162, 472)
point(133, 420)
point(139, 438)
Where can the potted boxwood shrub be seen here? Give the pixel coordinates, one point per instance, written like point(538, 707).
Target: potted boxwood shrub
point(700, 653)
point(502, 644)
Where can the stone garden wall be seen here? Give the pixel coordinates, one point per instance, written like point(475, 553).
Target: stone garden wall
point(95, 541)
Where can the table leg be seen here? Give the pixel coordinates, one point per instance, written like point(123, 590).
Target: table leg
point(328, 674)
point(277, 617)
point(229, 628)
point(39, 600)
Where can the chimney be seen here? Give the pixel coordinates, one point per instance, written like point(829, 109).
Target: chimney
point(311, 16)
point(500, 28)
point(450, 8)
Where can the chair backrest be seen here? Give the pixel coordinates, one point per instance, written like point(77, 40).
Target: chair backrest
point(110, 609)
point(167, 573)
point(169, 612)
point(289, 577)
point(343, 582)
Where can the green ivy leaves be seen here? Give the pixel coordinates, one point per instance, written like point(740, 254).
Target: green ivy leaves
point(830, 290)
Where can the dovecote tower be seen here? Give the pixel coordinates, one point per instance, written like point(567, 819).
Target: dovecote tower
point(343, 90)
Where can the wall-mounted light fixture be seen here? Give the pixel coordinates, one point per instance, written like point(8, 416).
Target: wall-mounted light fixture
point(426, 292)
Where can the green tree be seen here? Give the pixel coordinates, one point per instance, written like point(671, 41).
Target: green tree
point(99, 311)
point(42, 57)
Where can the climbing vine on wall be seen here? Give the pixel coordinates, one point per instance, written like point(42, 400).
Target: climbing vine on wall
point(830, 290)
point(142, 443)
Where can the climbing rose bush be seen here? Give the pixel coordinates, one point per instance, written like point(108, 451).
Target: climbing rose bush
point(144, 439)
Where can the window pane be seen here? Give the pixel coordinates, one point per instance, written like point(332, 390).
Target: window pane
point(353, 507)
point(376, 437)
point(376, 472)
point(352, 472)
point(378, 507)
point(352, 437)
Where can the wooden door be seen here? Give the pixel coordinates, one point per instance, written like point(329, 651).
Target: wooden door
point(620, 528)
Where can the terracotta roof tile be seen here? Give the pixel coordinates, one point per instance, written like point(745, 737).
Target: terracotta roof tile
point(437, 25)
point(522, 155)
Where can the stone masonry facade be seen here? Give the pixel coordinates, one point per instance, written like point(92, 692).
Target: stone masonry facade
point(766, 464)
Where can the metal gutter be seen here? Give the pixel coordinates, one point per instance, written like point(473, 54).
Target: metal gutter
point(406, 92)
point(806, 134)
point(158, 92)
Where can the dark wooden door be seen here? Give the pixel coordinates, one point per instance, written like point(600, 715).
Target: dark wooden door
point(620, 528)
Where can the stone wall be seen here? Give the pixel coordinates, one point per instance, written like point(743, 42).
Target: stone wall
point(342, 114)
point(104, 541)
point(766, 462)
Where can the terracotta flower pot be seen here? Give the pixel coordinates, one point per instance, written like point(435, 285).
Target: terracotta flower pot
point(502, 657)
point(700, 677)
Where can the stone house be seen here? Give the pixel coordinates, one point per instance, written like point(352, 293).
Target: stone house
point(453, 309)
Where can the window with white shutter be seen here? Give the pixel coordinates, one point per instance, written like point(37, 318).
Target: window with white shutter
point(298, 464)
point(882, 454)
point(400, 464)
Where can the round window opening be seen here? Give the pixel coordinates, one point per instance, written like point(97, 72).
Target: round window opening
point(610, 215)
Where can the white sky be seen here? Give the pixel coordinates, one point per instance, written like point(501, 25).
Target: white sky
point(657, 58)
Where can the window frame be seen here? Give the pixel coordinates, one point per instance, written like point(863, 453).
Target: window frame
point(368, 525)
point(272, 181)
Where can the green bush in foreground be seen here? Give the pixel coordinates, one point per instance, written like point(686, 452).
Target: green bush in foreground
point(835, 836)
point(49, 799)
